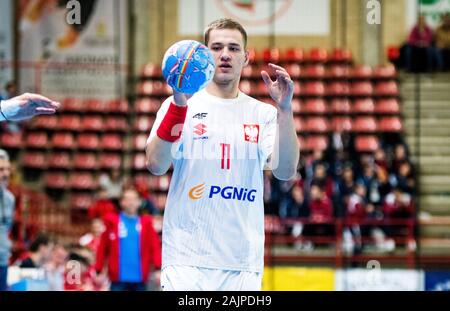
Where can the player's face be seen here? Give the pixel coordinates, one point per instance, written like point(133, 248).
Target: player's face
point(227, 46)
point(5, 172)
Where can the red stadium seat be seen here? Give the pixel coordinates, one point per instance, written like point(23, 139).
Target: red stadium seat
point(81, 200)
point(37, 140)
point(72, 105)
point(362, 89)
point(316, 143)
point(316, 71)
point(144, 123)
point(116, 124)
point(151, 70)
point(35, 160)
point(112, 142)
point(366, 143)
point(296, 105)
point(297, 88)
point(271, 55)
point(340, 106)
point(145, 88)
point(110, 161)
point(341, 55)
point(390, 124)
point(341, 124)
point(59, 160)
point(364, 106)
point(88, 141)
point(63, 141)
point(69, 123)
point(247, 86)
point(385, 72)
point(316, 125)
point(83, 181)
point(260, 89)
point(361, 72)
point(139, 162)
point(338, 72)
point(92, 123)
point(318, 55)
point(389, 88)
point(252, 55)
point(45, 122)
point(294, 55)
point(387, 106)
point(314, 89)
point(247, 71)
point(140, 141)
point(294, 70)
point(94, 105)
point(118, 105)
point(338, 89)
point(55, 180)
point(85, 161)
point(315, 106)
point(365, 125)
point(298, 124)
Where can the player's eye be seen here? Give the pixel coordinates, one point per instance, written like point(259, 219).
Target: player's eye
point(216, 48)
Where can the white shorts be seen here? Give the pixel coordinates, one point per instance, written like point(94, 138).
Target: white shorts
point(188, 278)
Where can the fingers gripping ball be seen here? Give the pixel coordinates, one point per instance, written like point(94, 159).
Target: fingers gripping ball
point(188, 66)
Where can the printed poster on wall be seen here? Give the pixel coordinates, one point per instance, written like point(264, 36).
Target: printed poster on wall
point(259, 17)
point(74, 48)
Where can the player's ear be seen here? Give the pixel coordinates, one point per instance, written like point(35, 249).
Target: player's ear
point(246, 57)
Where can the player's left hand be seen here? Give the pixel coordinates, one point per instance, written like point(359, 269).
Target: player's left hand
point(282, 89)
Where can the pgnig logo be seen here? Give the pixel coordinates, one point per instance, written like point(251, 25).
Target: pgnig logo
point(227, 193)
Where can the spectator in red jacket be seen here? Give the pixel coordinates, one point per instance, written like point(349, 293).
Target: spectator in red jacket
point(320, 213)
point(129, 245)
point(398, 204)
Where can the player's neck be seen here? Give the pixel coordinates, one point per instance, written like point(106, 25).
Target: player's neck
point(226, 91)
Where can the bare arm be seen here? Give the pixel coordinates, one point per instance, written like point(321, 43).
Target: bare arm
point(159, 153)
point(284, 159)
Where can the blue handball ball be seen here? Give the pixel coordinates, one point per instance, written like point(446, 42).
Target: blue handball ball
point(188, 66)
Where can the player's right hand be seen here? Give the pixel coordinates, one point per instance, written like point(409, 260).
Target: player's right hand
point(181, 98)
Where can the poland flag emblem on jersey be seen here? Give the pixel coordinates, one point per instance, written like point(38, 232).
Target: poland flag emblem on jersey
point(251, 132)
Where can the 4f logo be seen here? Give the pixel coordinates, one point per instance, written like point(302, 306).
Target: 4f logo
point(200, 116)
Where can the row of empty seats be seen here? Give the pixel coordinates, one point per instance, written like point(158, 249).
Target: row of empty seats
point(312, 88)
point(83, 200)
point(365, 124)
point(63, 140)
point(94, 106)
point(345, 106)
point(64, 160)
point(76, 123)
point(363, 143)
point(275, 55)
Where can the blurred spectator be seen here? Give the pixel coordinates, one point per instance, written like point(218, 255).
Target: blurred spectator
point(272, 193)
point(91, 239)
point(7, 204)
point(404, 180)
point(421, 41)
point(369, 180)
point(102, 205)
point(320, 207)
point(355, 213)
point(295, 206)
point(443, 39)
point(322, 178)
point(345, 187)
point(148, 205)
point(380, 159)
point(40, 252)
point(129, 245)
point(398, 204)
point(400, 156)
point(55, 268)
point(112, 183)
point(77, 275)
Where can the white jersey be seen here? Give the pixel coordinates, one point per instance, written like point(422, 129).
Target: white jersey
point(214, 215)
